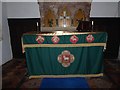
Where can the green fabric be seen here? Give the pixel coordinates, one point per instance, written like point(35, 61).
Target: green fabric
point(43, 60)
point(65, 39)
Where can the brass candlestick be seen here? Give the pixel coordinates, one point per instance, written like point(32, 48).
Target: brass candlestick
point(92, 25)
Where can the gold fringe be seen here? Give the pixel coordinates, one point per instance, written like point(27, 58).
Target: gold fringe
point(59, 33)
point(23, 49)
point(64, 76)
point(63, 45)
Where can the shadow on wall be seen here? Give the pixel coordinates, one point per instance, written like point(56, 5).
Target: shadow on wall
point(1, 34)
point(119, 54)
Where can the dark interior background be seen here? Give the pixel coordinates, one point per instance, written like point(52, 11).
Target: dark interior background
point(110, 25)
point(17, 27)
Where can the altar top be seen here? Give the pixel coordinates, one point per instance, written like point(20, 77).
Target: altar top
point(59, 33)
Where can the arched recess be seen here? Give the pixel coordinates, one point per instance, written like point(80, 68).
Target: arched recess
point(49, 19)
point(79, 15)
point(64, 15)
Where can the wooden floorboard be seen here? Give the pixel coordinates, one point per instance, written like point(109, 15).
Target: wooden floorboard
point(14, 75)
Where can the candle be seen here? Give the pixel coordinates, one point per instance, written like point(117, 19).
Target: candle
point(37, 23)
point(37, 27)
point(92, 23)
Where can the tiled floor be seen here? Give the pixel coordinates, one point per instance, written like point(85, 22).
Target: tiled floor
point(14, 76)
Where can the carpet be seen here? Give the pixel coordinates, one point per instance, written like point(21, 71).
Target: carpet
point(64, 83)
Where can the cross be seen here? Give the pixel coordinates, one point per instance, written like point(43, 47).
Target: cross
point(64, 17)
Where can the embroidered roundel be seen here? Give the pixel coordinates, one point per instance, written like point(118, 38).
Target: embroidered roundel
point(90, 38)
point(74, 39)
point(55, 39)
point(65, 58)
point(40, 39)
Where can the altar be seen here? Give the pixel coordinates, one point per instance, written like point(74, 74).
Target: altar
point(64, 46)
point(64, 54)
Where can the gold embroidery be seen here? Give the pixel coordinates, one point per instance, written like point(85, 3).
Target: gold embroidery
point(64, 45)
point(59, 33)
point(64, 76)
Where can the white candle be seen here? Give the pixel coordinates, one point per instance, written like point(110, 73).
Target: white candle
point(92, 23)
point(37, 23)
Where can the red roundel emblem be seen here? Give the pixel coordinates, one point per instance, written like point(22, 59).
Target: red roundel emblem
point(90, 38)
point(74, 39)
point(65, 58)
point(55, 39)
point(40, 39)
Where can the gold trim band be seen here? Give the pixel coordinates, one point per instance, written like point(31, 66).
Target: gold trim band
point(59, 33)
point(64, 76)
point(63, 45)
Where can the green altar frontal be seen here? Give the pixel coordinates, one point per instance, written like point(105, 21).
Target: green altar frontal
point(64, 54)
